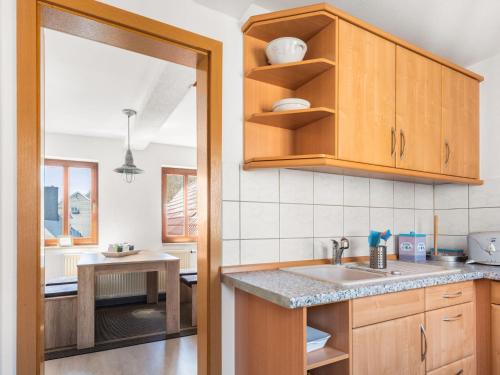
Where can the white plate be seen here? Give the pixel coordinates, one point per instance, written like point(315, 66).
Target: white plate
point(289, 104)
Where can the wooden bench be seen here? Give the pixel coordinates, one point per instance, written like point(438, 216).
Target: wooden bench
point(191, 281)
point(60, 315)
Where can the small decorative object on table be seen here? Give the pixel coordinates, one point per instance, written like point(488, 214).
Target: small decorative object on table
point(118, 250)
point(316, 339)
point(286, 50)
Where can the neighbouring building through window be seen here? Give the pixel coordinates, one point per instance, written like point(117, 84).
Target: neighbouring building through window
point(70, 201)
point(179, 205)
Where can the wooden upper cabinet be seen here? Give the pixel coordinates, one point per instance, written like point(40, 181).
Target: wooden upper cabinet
point(418, 112)
point(460, 127)
point(366, 100)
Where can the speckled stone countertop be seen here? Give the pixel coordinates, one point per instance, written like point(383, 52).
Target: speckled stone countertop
point(292, 291)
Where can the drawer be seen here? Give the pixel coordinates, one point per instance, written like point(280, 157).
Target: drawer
point(437, 297)
point(376, 309)
point(495, 292)
point(466, 366)
point(495, 339)
point(450, 335)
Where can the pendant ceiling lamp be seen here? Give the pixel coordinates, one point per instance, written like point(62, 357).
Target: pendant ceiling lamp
point(129, 169)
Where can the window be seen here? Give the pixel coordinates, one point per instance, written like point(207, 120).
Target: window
point(179, 205)
point(70, 201)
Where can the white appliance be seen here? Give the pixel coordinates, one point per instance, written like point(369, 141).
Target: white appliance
point(484, 248)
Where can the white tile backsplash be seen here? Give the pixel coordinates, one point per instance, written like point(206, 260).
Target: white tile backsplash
point(296, 186)
point(453, 222)
point(260, 185)
point(230, 181)
point(322, 248)
point(381, 219)
point(296, 249)
point(259, 220)
point(424, 196)
point(404, 220)
point(260, 251)
point(328, 189)
point(356, 221)
point(381, 193)
point(487, 195)
point(296, 220)
point(258, 229)
point(230, 220)
point(424, 221)
point(230, 252)
point(356, 191)
point(449, 196)
point(484, 219)
point(404, 195)
point(452, 242)
point(328, 221)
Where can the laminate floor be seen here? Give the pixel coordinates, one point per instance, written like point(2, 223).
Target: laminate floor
point(170, 357)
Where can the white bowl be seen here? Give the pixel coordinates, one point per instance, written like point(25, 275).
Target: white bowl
point(289, 104)
point(285, 50)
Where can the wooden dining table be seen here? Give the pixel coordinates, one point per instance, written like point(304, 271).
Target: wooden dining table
point(93, 264)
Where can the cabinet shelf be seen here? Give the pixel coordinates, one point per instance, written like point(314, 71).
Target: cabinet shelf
point(291, 119)
point(291, 75)
point(324, 356)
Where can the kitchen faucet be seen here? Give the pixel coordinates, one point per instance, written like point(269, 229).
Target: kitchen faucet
point(338, 250)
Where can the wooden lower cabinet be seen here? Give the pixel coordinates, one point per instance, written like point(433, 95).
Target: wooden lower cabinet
point(450, 335)
point(392, 347)
point(495, 338)
point(465, 366)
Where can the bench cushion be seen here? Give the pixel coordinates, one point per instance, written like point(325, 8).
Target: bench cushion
point(61, 290)
point(189, 280)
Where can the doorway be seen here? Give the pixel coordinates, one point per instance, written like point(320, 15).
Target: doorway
point(108, 25)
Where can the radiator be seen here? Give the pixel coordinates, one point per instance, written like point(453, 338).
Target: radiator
point(128, 284)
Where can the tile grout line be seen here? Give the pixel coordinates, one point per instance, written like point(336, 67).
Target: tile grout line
point(240, 171)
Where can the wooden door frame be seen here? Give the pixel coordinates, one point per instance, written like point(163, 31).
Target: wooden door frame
point(142, 35)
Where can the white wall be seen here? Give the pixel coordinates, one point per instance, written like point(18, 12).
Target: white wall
point(7, 187)
point(127, 212)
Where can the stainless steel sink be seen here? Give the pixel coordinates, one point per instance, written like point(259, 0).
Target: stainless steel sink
point(360, 273)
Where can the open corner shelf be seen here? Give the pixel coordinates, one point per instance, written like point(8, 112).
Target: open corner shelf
point(303, 26)
point(324, 356)
point(291, 119)
point(291, 75)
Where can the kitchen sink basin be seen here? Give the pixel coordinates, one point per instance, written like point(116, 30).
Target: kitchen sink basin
point(360, 273)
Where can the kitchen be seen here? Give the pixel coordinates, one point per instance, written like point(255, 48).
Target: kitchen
point(277, 217)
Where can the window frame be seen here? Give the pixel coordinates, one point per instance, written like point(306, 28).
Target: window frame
point(94, 173)
point(185, 172)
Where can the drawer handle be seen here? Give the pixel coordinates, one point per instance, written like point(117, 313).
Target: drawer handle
point(452, 318)
point(423, 343)
point(460, 372)
point(452, 295)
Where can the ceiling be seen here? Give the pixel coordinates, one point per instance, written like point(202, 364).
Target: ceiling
point(87, 84)
point(464, 31)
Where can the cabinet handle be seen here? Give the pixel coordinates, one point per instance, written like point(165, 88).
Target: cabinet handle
point(393, 141)
point(423, 343)
point(402, 138)
point(448, 152)
point(452, 318)
point(460, 372)
point(452, 295)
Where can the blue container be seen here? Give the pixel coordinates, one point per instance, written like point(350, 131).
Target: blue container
point(412, 247)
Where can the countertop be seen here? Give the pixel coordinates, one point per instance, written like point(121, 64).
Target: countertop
point(293, 291)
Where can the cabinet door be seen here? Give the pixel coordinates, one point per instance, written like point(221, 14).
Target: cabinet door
point(393, 347)
point(495, 338)
point(418, 112)
point(367, 82)
point(460, 137)
point(450, 334)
